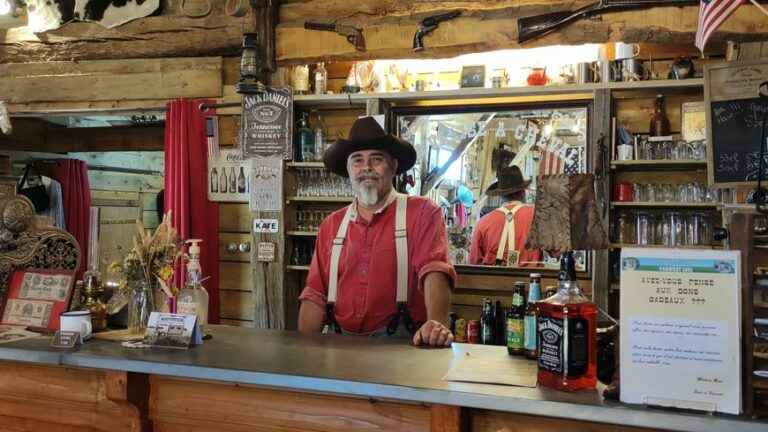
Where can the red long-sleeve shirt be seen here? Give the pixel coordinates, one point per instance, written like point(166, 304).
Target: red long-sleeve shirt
point(367, 287)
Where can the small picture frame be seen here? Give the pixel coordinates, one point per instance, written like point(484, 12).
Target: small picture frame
point(472, 76)
point(36, 298)
point(694, 122)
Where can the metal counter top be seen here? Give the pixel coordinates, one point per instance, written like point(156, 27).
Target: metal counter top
point(349, 365)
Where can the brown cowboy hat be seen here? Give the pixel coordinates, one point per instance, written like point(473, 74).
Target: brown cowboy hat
point(510, 180)
point(367, 134)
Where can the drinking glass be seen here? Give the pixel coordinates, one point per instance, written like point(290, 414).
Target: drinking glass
point(673, 231)
point(680, 150)
point(668, 192)
point(652, 192)
point(698, 150)
point(663, 150)
point(698, 229)
point(645, 150)
point(639, 192)
point(644, 225)
point(625, 232)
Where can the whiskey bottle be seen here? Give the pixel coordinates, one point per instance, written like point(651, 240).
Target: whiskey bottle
point(567, 328)
point(659, 122)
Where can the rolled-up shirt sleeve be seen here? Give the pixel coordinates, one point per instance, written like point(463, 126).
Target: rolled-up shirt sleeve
point(430, 253)
point(316, 289)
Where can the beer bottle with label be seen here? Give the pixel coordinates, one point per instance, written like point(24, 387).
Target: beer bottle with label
point(534, 295)
point(487, 323)
point(515, 318)
point(567, 331)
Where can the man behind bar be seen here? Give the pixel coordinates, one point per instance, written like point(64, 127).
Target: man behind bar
point(381, 265)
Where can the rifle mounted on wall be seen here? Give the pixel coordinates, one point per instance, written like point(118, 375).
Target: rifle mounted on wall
point(539, 25)
point(353, 34)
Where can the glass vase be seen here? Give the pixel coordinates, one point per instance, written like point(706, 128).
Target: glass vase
point(141, 304)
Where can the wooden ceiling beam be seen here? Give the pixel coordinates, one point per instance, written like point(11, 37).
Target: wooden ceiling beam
point(41, 136)
point(389, 27)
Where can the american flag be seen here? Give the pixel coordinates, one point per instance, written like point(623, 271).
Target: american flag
point(712, 13)
point(551, 161)
point(561, 161)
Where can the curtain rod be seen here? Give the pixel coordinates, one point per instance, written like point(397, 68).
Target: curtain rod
point(205, 107)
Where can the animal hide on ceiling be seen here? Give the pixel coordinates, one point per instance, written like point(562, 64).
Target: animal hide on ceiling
point(44, 15)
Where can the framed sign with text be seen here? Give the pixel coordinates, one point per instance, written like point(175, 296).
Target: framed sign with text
point(36, 298)
point(267, 123)
point(681, 328)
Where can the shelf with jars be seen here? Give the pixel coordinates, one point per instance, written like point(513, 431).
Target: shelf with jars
point(707, 205)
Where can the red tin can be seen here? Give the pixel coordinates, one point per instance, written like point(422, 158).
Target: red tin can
point(623, 192)
point(473, 331)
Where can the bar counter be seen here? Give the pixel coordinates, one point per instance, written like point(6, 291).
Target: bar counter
point(245, 379)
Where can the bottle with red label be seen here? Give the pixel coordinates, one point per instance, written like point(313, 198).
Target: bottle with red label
point(567, 329)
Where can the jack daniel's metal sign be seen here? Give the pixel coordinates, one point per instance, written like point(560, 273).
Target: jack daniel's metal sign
point(267, 120)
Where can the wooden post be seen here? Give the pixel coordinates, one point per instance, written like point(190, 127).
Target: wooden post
point(601, 126)
point(741, 225)
point(447, 418)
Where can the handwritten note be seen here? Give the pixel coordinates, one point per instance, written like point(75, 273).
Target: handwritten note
point(680, 328)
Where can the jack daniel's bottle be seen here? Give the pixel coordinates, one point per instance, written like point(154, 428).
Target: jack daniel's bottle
point(567, 328)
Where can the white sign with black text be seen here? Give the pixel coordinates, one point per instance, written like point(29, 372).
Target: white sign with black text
point(266, 175)
point(680, 328)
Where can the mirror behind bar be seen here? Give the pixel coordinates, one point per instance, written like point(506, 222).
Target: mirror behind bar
point(460, 152)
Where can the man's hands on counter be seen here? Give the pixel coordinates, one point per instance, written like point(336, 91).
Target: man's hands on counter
point(433, 333)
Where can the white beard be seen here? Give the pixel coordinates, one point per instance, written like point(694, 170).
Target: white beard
point(368, 195)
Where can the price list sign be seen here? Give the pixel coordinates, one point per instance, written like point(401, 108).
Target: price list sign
point(680, 328)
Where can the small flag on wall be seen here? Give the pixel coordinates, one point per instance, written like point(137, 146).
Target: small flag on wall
point(712, 13)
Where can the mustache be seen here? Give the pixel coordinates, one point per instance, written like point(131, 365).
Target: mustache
point(367, 176)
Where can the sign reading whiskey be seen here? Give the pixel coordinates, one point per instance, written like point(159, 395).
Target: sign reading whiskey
point(267, 123)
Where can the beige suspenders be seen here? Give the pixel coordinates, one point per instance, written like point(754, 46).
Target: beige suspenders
point(401, 250)
point(508, 237)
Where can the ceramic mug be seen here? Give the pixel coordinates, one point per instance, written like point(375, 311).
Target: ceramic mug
point(626, 51)
point(77, 321)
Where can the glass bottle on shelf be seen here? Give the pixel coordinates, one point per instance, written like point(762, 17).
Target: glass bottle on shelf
point(321, 79)
point(567, 330)
point(529, 324)
point(305, 140)
point(659, 122)
point(515, 321)
point(319, 134)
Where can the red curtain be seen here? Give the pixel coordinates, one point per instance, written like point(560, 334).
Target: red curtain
point(186, 168)
point(76, 197)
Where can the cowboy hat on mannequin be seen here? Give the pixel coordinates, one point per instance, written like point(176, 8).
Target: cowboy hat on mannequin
point(367, 134)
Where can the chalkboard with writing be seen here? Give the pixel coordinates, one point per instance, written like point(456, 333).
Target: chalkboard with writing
point(736, 105)
point(736, 131)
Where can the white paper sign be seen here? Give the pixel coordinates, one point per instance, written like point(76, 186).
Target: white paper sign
point(268, 226)
point(680, 329)
point(266, 175)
